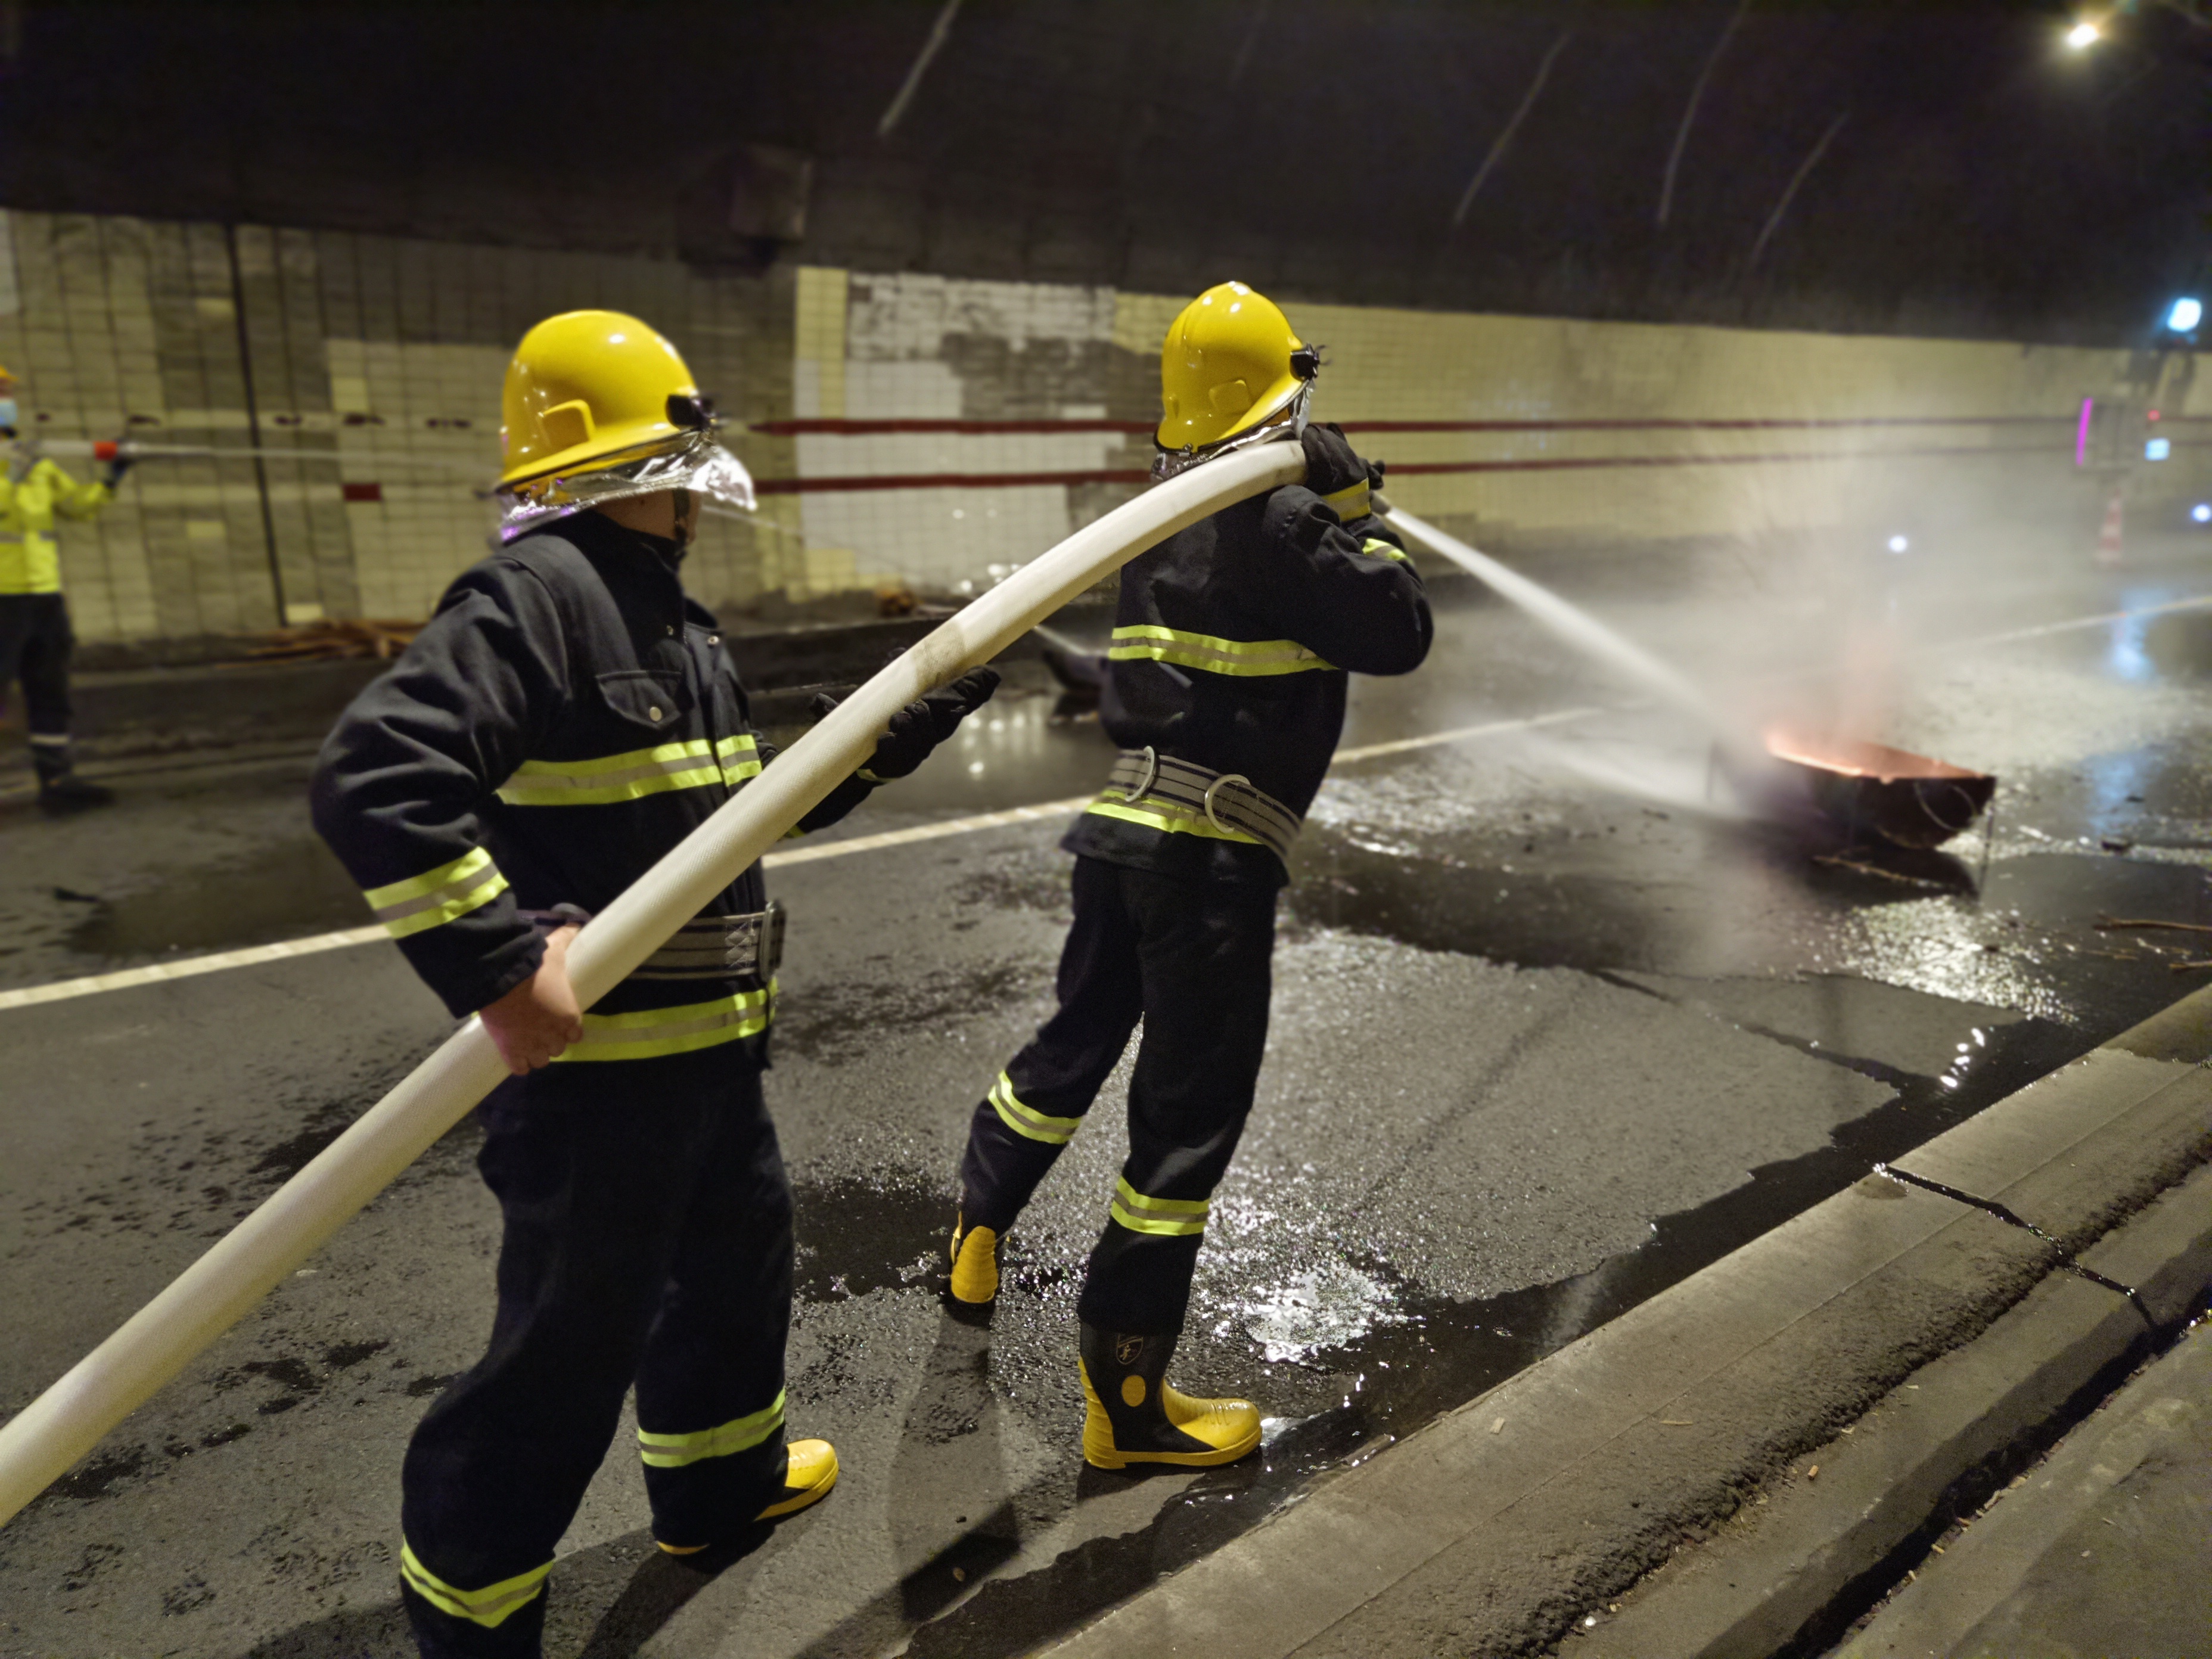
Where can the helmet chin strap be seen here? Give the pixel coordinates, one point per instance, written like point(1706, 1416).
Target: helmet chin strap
point(680, 527)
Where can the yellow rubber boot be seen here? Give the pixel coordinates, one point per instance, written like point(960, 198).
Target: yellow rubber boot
point(809, 1471)
point(974, 1264)
point(807, 1479)
point(1131, 1416)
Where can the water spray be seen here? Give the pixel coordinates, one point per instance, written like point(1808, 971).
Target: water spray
point(1586, 634)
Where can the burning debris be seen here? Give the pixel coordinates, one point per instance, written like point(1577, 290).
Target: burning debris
point(1870, 789)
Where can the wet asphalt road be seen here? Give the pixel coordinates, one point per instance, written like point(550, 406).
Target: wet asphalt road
point(1552, 1028)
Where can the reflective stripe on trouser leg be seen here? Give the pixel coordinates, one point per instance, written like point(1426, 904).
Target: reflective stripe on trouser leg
point(1025, 1120)
point(647, 1240)
point(49, 754)
point(1206, 947)
point(710, 1397)
point(36, 642)
point(1034, 1106)
point(490, 1607)
point(676, 1451)
point(1163, 1217)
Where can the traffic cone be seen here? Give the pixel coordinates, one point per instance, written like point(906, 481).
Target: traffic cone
point(2108, 539)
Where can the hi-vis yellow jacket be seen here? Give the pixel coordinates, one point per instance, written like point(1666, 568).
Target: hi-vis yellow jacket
point(33, 492)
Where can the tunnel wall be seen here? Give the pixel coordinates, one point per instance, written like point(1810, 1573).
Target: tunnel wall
point(380, 358)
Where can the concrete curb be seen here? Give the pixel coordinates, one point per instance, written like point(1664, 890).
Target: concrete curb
point(1993, 1571)
point(1500, 1525)
point(1761, 1582)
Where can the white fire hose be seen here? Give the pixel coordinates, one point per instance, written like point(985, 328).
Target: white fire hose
point(65, 1422)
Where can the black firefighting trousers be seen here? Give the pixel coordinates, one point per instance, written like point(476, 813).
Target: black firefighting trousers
point(648, 1240)
point(1192, 959)
point(35, 642)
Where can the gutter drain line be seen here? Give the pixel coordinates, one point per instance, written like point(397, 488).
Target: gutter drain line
point(1989, 1206)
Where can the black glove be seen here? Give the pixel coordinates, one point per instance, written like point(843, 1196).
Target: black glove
point(1330, 464)
point(117, 468)
point(923, 724)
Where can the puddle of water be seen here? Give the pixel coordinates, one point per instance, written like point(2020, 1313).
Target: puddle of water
point(291, 888)
point(855, 1236)
point(1329, 1308)
point(1401, 1356)
point(838, 1021)
point(1430, 1354)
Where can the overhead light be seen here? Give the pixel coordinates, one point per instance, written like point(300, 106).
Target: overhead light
point(2187, 312)
point(1898, 543)
point(2202, 512)
point(2158, 449)
point(2083, 34)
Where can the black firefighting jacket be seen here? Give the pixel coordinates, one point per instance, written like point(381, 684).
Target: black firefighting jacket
point(1232, 649)
point(566, 718)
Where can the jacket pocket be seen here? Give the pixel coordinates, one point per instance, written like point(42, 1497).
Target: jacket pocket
point(649, 701)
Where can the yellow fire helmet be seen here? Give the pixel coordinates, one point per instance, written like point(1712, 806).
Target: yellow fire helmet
point(1230, 363)
point(590, 388)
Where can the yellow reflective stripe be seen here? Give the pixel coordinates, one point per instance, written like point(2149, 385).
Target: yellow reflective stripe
point(673, 1451)
point(1212, 652)
point(739, 758)
point(489, 1607)
point(611, 778)
point(1169, 1217)
point(1380, 548)
point(651, 1032)
point(438, 896)
point(1181, 824)
point(429, 881)
point(1027, 1120)
point(1351, 503)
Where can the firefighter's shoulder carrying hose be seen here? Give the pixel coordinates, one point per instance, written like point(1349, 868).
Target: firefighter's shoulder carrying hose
point(66, 1421)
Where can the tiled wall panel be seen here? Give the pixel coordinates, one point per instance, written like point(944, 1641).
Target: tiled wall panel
point(375, 363)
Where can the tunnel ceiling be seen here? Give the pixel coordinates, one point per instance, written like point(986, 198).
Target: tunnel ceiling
point(1968, 174)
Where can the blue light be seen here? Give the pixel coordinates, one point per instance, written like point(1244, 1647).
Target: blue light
point(2158, 449)
point(2185, 315)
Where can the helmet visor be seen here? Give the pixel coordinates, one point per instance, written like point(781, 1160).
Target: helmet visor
point(695, 461)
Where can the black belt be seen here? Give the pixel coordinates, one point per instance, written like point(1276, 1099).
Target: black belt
point(1226, 800)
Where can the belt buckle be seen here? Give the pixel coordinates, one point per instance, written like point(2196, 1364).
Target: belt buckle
point(1213, 788)
point(769, 957)
point(753, 946)
point(1150, 777)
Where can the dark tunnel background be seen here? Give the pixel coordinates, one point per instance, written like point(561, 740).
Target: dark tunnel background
point(1973, 177)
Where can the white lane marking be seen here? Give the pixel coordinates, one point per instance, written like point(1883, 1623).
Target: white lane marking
point(1463, 734)
point(123, 979)
point(837, 849)
point(2040, 631)
point(155, 973)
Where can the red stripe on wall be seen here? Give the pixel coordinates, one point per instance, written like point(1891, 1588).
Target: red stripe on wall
point(844, 428)
point(1397, 469)
point(940, 481)
point(1405, 469)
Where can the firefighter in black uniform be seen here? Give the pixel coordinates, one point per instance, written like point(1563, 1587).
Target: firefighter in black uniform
point(1225, 688)
point(566, 719)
